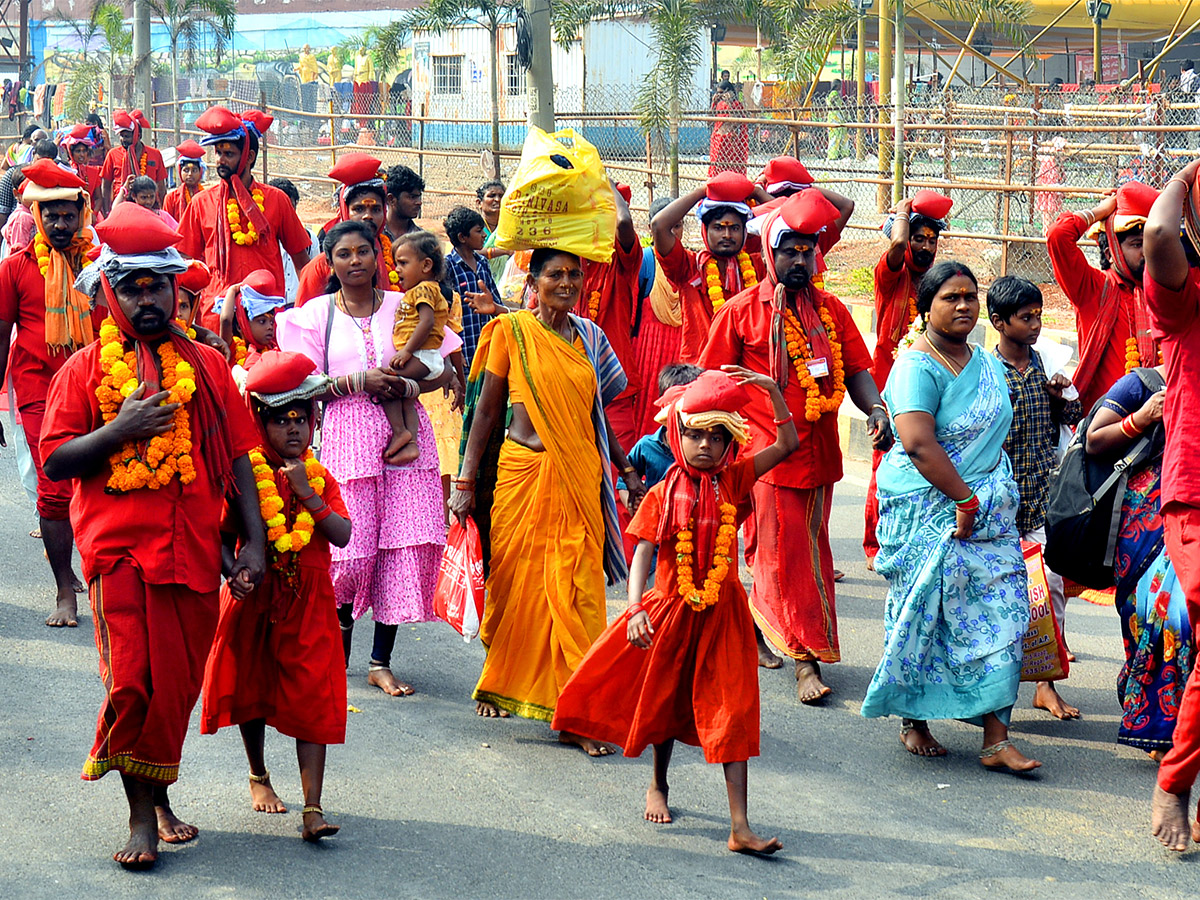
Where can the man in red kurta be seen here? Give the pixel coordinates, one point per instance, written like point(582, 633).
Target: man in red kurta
point(152, 556)
point(1111, 315)
point(52, 321)
point(913, 230)
point(807, 341)
point(132, 158)
point(361, 198)
point(609, 293)
point(725, 266)
point(78, 144)
point(189, 168)
point(237, 225)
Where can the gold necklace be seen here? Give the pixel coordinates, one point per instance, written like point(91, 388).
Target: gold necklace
point(955, 370)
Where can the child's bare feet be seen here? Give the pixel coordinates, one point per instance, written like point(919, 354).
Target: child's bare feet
point(398, 441)
point(743, 840)
point(1046, 697)
point(141, 851)
point(315, 826)
point(1005, 756)
point(409, 453)
point(263, 797)
point(1169, 819)
point(657, 810)
point(809, 686)
point(590, 747)
point(489, 710)
point(66, 613)
point(382, 678)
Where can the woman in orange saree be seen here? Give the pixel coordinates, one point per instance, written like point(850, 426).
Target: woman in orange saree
point(551, 524)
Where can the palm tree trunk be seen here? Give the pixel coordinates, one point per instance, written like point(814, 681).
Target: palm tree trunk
point(495, 60)
point(673, 132)
point(175, 83)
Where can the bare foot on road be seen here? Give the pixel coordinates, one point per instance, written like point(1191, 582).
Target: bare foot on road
point(766, 656)
point(65, 615)
point(1169, 819)
point(1047, 697)
point(315, 826)
point(489, 710)
point(657, 810)
point(263, 797)
point(743, 840)
point(382, 678)
point(590, 747)
point(173, 829)
point(918, 741)
point(809, 686)
point(141, 851)
point(1006, 757)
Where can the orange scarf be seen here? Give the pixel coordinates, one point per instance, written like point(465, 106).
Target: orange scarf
point(68, 312)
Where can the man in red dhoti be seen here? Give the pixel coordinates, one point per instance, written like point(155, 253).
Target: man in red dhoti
point(724, 268)
point(149, 427)
point(361, 198)
point(132, 158)
point(608, 296)
point(53, 320)
point(1173, 298)
point(913, 230)
point(237, 225)
point(189, 168)
point(1111, 315)
point(807, 341)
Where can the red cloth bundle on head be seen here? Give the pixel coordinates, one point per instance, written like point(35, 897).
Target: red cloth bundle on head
point(784, 173)
point(223, 125)
point(189, 151)
point(196, 278)
point(625, 191)
point(932, 204)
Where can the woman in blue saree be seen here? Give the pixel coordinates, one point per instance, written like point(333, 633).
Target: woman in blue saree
point(957, 604)
point(1157, 634)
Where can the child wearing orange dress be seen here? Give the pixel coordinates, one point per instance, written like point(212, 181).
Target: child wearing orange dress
point(277, 656)
point(681, 662)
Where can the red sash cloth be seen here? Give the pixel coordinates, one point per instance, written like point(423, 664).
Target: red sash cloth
point(698, 682)
point(892, 293)
point(787, 547)
point(278, 654)
point(153, 640)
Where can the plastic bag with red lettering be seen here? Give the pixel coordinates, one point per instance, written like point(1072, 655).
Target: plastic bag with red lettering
point(559, 197)
point(458, 595)
point(1045, 653)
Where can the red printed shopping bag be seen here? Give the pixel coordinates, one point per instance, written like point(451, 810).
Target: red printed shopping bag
point(1045, 654)
point(458, 595)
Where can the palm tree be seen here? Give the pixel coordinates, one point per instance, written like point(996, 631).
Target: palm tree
point(188, 20)
point(107, 19)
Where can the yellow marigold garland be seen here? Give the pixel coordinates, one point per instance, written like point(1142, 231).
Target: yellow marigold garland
point(233, 212)
point(271, 506)
point(389, 262)
point(1133, 359)
point(722, 560)
point(240, 352)
point(594, 305)
point(165, 455)
point(798, 351)
point(712, 278)
point(186, 328)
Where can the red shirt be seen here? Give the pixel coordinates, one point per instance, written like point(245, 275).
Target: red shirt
point(31, 364)
point(90, 175)
point(740, 335)
point(1175, 317)
point(1082, 283)
point(115, 161)
point(682, 268)
point(893, 291)
point(617, 284)
point(176, 201)
point(205, 214)
point(313, 279)
point(171, 535)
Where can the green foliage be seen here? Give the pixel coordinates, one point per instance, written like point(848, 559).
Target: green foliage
point(85, 77)
point(187, 21)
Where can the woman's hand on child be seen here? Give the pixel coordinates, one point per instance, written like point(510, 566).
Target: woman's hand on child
point(639, 630)
point(383, 384)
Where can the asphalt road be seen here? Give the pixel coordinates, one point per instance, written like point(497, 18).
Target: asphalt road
point(435, 802)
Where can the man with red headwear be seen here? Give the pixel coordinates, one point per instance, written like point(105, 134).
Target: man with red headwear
point(724, 268)
point(149, 427)
point(237, 225)
point(53, 320)
point(361, 198)
point(131, 159)
point(189, 168)
point(913, 229)
point(807, 341)
point(78, 144)
point(1111, 315)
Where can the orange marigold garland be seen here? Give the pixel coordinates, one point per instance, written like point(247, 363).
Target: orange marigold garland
point(594, 305)
point(233, 212)
point(798, 351)
point(722, 560)
point(271, 505)
point(142, 162)
point(712, 278)
point(240, 352)
point(389, 263)
point(1133, 359)
point(186, 328)
point(165, 455)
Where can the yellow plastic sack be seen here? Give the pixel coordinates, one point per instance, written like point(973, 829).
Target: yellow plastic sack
point(559, 197)
point(1045, 656)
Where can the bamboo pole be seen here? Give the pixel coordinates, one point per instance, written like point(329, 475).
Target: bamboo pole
point(332, 134)
point(1170, 45)
point(953, 38)
point(962, 51)
point(1006, 200)
point(1033, 40)
point(1153, 70)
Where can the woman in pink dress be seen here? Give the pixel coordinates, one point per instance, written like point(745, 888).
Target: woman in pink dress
point(390, 565)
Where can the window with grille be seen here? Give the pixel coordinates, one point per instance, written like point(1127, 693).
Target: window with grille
point(447, 75)
point(514, 76)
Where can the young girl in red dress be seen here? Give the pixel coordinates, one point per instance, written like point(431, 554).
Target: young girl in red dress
point(277, 656)
point(681, 662)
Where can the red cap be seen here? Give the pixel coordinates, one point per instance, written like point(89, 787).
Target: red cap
point(49, 174)
point(729, 187)
point(278, 371)
point(355, 168)
point(80, 132)
point(785, 169)
point(122, 120)
point(216, 120)
point(932, 204)
point(189, 149)
point(712, 391)
point(259, 119)
point(263, 282)
point(808, 212)
point(1133, 199)
point(196, 278)
point(133, 229)
point(625, 191)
